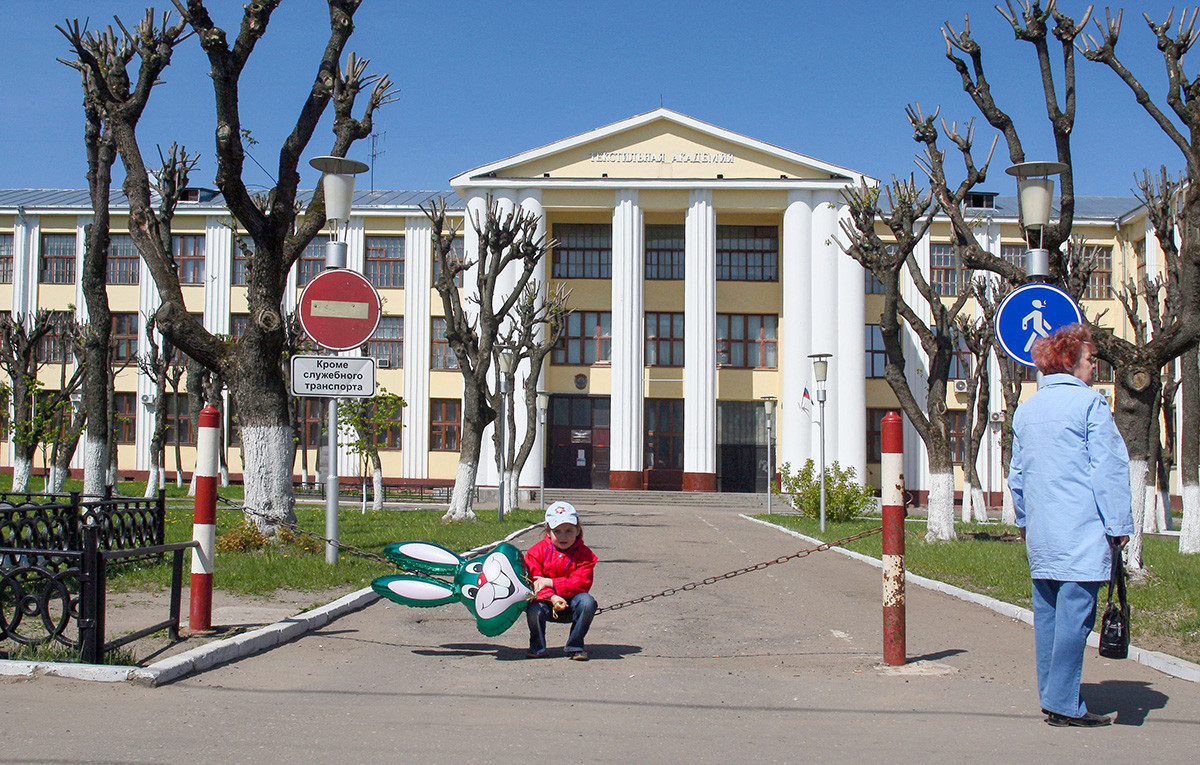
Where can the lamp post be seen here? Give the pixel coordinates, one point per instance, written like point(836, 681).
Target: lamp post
point(1035, 197)
point(821, 373)
point(505, 361)
point(769, 411)
point(543, 403)
point(338, 182)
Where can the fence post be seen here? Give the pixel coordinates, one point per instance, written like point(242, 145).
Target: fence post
point(91, 597)
point(892, 482)
point(204, 523)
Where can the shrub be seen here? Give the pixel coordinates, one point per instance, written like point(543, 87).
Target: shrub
point(845, 497)
point(248, 538)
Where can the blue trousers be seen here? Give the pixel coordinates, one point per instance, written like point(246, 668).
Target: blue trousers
point(1063, 615)
point(579, 612)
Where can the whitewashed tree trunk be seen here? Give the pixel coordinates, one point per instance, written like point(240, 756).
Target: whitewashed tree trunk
point(1189, 530)
point(304, 477)
point(57, 478)
point(152, 479)
point(192, 485)
point(979, 506)
point(1137, 485)
point(968, 498)
point(224, 471)
point(512, 493)
point(377, 485)
point(940, 526)
point(94, 466)
point(460, 499)
point(21, 470)
point(268, 489)
point(1149, 502)
point(1008, 511)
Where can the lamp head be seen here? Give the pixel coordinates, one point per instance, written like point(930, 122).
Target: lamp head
point(338, 183)
point(769, 408)
point(821, 366)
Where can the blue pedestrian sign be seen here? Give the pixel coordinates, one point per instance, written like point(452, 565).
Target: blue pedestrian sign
point(1029, 312)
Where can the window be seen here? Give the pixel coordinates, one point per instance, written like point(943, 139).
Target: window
point(748, 253)
point(1139, 257)
point(961, 363)
point(664, 339)
point(584, 251)
point(310, 263)
point(177, 418)
point(123, 260)
point(664, 434)
point(876, 353)
point(313, 418)
point(873, 284)
point(54, 347)
point(958, 435)
point(238, 323)
point(442, 355)
point(6, 258)
point(456, 256)
point(1014, 253)
point(1104, 371)
point(586, 340)
point(875, 434)
point(390, 437)
point(664, 252)
point(124, 337)
point(240, 264)
point(1100, 282)
point(980, 200)
point(385, 261)
point(387, 344)
point(58, 259)
point(747, 341)
point(444, 425)
point(946, 275)
point(124, 417)
point(188, 251)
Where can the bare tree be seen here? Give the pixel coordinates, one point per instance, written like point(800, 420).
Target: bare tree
point(978, 338)
point(250, 367)
point(537, 325)
point(20, 338)
point(505, 239)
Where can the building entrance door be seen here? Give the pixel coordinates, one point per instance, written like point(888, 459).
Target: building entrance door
point(579, 428)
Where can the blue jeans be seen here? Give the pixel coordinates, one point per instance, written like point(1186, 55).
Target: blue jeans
point(1063, 615)
point(579, 612)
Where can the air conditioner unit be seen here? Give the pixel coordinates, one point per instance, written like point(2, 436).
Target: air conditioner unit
point(960, 386)
point(996, 417)
point(383, 363)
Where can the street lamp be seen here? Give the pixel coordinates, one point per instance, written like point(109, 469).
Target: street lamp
point(821, 373)
point(338, 181)
point(506, 362)
point(1035, 198)
point(769, 411)
point(543, 403)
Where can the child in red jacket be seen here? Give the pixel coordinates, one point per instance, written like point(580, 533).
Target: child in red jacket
point(560, 571)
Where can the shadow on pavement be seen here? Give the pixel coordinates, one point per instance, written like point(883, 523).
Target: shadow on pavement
point(598, 652)
point(1131, 701)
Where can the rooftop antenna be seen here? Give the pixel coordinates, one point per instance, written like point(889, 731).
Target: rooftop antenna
point(376, 139)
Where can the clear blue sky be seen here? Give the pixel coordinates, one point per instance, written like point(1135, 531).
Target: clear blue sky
point(481, 81)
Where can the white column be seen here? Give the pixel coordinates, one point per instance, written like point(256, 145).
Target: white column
point(26, 252)
point(627, 434)
point(796, 426)
point(699, 336)
point(531, 472)
point(356, 244)
point(851, 393)
point(825, 323)
point(418, 273)
point(488, 474)
point(148, 303)
point(81, 223)
point(218, 275)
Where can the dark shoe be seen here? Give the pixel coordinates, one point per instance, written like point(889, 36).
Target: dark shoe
point(534, 654)
point(578, 655)
point(1088, 720)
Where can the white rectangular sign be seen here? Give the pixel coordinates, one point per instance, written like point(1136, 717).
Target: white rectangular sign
point(333, 376)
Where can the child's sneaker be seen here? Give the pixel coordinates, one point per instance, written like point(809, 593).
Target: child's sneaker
point(578, 655)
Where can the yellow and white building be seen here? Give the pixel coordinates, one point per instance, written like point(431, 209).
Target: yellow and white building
point(704, 271)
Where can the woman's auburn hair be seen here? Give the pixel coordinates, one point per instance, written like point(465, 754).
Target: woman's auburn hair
point(1059, 353)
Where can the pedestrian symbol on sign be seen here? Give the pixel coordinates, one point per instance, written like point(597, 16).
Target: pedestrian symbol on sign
point(1029, 312)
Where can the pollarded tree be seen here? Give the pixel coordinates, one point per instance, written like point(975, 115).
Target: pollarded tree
point(372, 420)
point(506, 239)
point(978, 338)
point(251, 366)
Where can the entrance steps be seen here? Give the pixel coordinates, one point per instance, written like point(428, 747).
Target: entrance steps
point(583, 497)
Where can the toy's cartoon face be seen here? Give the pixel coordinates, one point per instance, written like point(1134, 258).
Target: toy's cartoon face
point(492, 587)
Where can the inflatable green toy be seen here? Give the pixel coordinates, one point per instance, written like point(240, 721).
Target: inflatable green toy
point(493, 587)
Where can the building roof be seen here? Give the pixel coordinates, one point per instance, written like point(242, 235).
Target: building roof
point(1086, 208)
point(80, 199)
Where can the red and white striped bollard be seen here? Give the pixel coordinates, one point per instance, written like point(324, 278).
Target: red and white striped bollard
point(892, 483)
point(204, 521)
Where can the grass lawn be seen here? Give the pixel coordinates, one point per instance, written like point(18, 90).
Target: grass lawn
point(990, 559)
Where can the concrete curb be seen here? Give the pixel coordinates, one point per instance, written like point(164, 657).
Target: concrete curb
point(217, 652)
point(1165, 663)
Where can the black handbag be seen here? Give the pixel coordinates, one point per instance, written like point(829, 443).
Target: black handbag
point(1114, 625)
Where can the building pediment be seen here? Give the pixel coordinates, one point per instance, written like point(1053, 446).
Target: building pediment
point(658, 146)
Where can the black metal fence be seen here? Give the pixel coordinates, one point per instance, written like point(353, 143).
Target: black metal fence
point(54, 558)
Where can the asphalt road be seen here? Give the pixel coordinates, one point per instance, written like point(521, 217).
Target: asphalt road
point(780, 665)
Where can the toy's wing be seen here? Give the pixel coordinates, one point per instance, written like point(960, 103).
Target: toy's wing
point(423, 558)
point(415, 591)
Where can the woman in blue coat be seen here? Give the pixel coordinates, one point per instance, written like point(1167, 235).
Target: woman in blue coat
point(1069, 478)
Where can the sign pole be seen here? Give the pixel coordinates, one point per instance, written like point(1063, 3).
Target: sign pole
point(331, 487)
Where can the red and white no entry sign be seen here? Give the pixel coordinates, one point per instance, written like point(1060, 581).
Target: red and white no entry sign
point(339, 309)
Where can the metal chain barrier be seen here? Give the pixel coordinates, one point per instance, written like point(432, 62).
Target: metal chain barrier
point(738, 572)
point(614, 607)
